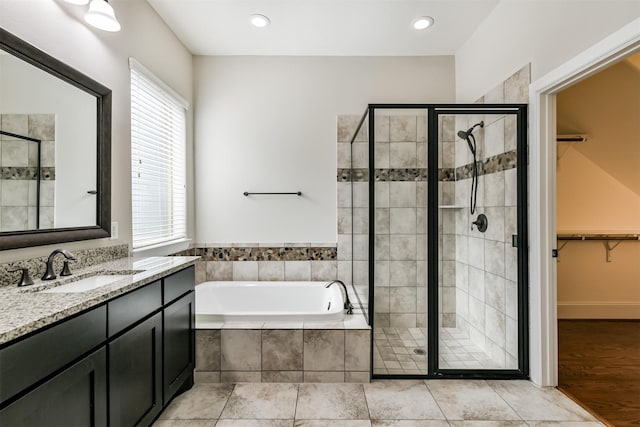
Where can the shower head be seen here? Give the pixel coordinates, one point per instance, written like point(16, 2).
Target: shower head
point(468, 136)
point(464, 134)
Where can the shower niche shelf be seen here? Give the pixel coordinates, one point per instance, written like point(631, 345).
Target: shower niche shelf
point(451, 207)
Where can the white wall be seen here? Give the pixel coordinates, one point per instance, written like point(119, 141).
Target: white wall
point(269, 124)
point(541, 32)
point(26, 89)
point(58, 28)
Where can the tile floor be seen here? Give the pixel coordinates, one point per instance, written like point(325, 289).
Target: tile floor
point(394, 351)
point(431, 403)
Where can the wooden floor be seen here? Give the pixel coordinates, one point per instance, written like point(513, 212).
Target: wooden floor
point(599, 366)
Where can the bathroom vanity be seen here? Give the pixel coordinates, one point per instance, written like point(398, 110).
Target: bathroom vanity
point(114, 355)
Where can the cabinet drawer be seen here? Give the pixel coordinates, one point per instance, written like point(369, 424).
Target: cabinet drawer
point(28, 361)
point(135, 305)
point(179, 284)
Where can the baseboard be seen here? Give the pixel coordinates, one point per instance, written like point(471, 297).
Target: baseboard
point(598, 310)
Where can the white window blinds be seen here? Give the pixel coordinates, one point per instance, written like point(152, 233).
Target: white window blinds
point(158, 160)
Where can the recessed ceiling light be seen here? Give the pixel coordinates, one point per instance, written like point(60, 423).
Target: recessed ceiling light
point(422, 23)
point(259, 21)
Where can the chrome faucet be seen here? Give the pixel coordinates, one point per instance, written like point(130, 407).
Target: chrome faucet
point(347, 304)
point(49, 274)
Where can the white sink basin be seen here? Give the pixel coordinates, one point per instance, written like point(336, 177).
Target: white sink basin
point(86, 284)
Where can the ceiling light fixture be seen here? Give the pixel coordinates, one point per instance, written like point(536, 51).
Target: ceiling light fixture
point(422, 23)
point(259, 21)
point(102, 16)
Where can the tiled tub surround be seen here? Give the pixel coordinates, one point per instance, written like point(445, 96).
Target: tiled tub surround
point(266, 262)
point(259, 351)
point(18, 166)
point(24, 310)
point(84, 258)
point(313, 352)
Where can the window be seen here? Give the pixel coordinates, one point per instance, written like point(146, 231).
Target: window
point(158, 160)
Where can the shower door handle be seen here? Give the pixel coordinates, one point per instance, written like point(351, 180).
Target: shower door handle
point(514, 240)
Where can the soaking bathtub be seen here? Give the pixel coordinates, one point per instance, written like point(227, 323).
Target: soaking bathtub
point(268, 301)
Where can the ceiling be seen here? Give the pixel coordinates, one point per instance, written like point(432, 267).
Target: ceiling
point(323, 27)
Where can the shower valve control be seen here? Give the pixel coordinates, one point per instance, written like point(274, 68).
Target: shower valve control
point(482, 223)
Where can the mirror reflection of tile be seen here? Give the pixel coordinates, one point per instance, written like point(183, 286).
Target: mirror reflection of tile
point(18, 172)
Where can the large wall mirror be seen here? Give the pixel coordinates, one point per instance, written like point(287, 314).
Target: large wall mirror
point(55, 150)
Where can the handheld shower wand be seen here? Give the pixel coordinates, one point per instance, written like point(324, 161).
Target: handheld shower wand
point(471, 142)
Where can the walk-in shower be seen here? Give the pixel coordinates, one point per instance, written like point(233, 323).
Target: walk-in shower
point(444, 299)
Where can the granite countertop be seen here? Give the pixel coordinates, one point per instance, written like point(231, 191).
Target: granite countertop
point(24, 310)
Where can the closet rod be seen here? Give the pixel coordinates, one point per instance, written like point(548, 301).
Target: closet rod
point(598, 236)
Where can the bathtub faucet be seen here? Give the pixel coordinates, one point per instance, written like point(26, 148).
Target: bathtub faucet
point(347, 304)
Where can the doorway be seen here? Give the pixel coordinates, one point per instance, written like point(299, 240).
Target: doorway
point(542, 192)
point(598, 226)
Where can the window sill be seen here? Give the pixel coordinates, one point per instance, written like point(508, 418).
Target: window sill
point(162, 249)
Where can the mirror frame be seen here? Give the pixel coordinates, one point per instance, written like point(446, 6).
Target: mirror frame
point(36, 57)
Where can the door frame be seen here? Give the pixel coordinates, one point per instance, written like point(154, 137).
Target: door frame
point(543, 333)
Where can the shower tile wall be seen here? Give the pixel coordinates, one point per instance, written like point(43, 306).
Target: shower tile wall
point(446, 227)
point(400, 246)
point(18, 162)
point(400, 202)
point(483, 267)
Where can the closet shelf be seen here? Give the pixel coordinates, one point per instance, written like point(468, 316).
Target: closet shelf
point(599, 236)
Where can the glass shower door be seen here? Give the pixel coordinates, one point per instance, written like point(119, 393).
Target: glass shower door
point(479, 320)
point(400, 240)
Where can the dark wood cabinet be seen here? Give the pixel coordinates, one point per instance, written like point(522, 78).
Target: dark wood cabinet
point(135, 374)
point(76, 397)
point(179, 345)
point(117, 364)
point(35, 357)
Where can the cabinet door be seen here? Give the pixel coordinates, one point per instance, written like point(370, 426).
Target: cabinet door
point(75, 397)
point(179, 361)
point(135, 375)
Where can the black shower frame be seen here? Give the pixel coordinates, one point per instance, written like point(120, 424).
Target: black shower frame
point(38, 168)
point(433, 111)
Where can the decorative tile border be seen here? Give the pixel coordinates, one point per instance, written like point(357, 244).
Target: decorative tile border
point(355, 175)
point(494, 164)
point(446, 175)
point(412, 174)
point(285, 253)
point(27, 173)
point(85, 258)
